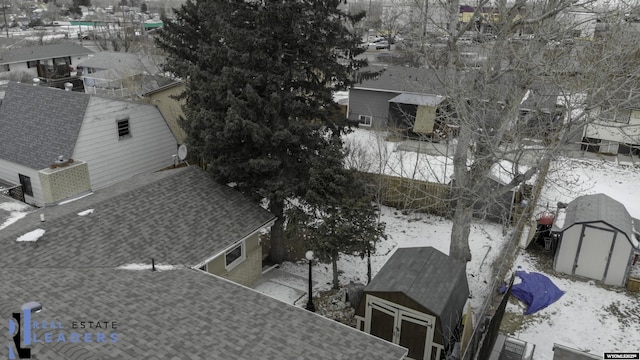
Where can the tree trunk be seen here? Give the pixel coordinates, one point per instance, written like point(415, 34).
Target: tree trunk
point(334, 266)
point(277, 253)
point(459, 247)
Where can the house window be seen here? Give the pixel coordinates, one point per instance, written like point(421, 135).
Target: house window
point(5, 67)
point(234, 256)
point(123, 128)
point(32, 64)
point(365, 120)
point(25, 181)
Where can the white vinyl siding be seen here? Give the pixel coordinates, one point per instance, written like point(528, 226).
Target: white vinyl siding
point(150, 148)
point(9, 171)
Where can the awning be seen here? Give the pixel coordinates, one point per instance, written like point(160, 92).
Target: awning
point(418, 99)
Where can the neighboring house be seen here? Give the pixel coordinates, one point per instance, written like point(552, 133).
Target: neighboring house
point(413, 102)
point(401, 97)
point(53, 64)
point(416, 300)
point(177, 314)
point(114, 139)
point(164, 98)
point(616, 129)
point(595, 238)
point(122, 75)
point(177, 217)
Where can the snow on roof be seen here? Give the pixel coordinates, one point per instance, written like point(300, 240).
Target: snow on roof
point(505, 171)
point(148, 267)
point(74, 199)
point(31, 235)
point(558, 223)
point(86, 212)
point(340, 96)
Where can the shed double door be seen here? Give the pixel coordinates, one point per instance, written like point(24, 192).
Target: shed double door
point(593, 253)
point(406, 327)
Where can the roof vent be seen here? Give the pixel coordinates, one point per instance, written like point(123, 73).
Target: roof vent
point(36, 81)
point(61, 162)
point(68, 86)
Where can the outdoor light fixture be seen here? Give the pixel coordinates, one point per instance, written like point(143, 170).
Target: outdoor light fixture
point(310, 306)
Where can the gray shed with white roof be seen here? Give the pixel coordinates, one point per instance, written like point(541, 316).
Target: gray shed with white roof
point(596, 239)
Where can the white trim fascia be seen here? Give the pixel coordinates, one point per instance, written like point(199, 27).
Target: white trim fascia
point(222, 253)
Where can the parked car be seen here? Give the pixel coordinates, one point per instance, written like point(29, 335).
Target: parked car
point(383, 44)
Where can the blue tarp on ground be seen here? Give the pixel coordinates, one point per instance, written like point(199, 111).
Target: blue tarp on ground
point(535, 290)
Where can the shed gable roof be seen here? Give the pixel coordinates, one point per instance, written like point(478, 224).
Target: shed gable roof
point(600, 208)
point(178, 217)
point(38, 123)
point(426, 275)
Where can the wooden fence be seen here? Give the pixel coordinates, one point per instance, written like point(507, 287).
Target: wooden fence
point(402, 193)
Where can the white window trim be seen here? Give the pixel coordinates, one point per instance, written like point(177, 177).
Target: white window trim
point(365, 120)
point(238, 261)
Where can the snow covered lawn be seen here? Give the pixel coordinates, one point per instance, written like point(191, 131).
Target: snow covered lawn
point(587, 317)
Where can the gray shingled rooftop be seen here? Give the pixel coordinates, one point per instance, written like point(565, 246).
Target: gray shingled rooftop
point(177, 217)
point(177, 314)
point(400, 79)
point(600, 207)
point(39, 123)
point(429, 277)
point(118, 65)
point(49, 51)
point(404, 79)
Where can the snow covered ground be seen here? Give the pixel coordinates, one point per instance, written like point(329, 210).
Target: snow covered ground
point(587, 317)
point(403, 231)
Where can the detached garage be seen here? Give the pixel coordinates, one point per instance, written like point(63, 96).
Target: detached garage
point(416, 300)
point(595, 239)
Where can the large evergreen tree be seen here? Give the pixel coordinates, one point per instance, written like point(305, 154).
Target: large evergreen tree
point(259, 80)
point(337, 214)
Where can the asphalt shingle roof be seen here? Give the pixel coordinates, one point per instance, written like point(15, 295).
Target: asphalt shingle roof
point(38, 123)
point(429, 277)
point(49, 51)
point(404, 79)
point(122, 64)
point(600, 207)
point(177, 217)
point(177, 314)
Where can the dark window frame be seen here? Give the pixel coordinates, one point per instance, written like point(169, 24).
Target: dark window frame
point(234, 256)
point(25, 181)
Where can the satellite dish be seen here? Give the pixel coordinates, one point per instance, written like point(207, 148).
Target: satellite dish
point(182, 152)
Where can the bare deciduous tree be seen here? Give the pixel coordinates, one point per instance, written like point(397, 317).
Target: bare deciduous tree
point(546, 67)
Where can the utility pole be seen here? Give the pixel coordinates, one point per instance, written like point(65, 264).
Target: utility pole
point(4, 13)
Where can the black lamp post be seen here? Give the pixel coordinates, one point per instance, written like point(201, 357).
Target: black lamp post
point(310, 306)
